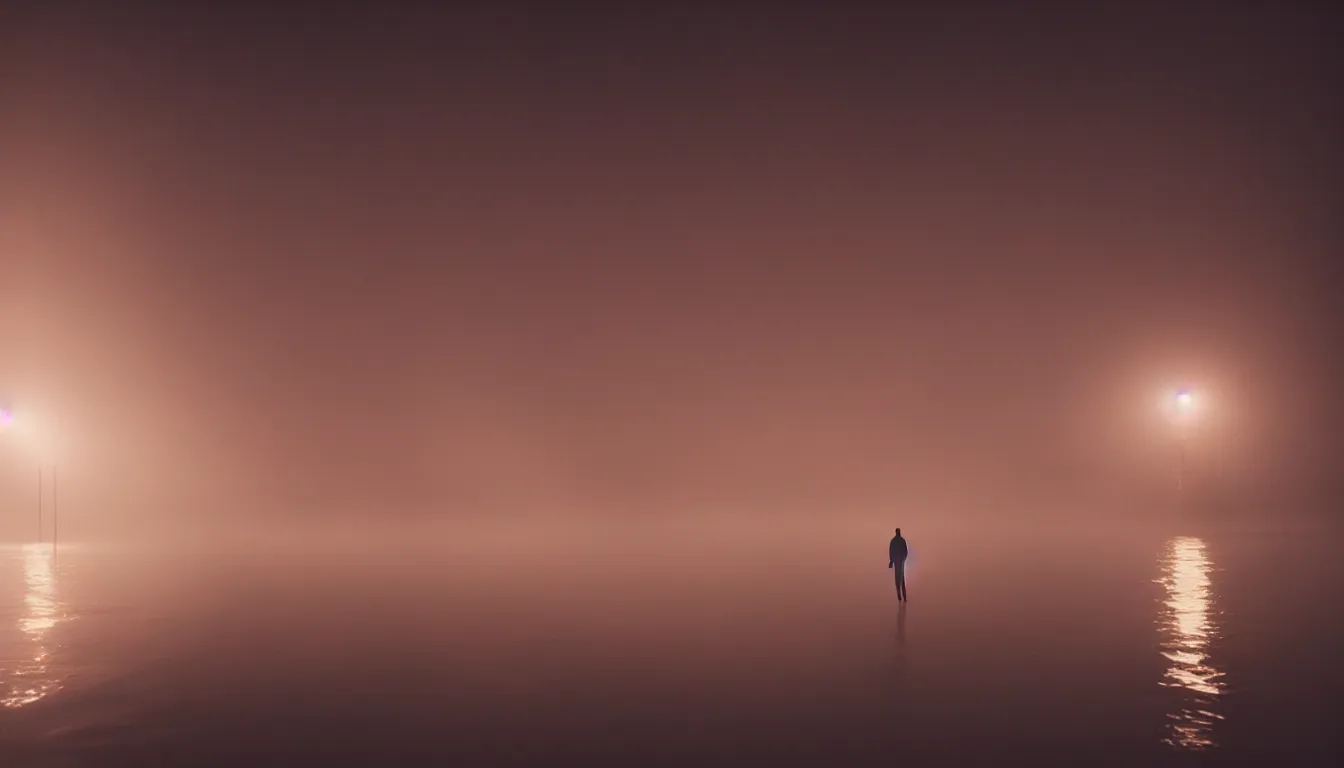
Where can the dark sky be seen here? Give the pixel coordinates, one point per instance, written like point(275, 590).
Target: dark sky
point(311, 261)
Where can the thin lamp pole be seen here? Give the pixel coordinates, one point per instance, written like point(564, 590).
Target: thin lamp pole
point(55, 510)
point(1180, 477)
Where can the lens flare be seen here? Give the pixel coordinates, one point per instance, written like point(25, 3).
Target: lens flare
point(6, 419)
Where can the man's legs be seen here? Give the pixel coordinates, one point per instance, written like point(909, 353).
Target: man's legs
point(900, 580)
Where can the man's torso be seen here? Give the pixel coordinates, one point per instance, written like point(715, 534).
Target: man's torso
point(899, 550)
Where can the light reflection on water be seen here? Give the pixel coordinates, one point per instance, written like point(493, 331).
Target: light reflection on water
point(27, 676)
point(1188, 626)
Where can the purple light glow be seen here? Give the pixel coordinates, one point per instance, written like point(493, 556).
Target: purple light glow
point(6, 418)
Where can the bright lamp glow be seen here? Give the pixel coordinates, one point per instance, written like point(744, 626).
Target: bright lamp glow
point(1185, 399)
point(1182, 404)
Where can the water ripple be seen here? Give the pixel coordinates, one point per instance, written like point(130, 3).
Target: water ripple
point(27, 677)
point(1188, 626)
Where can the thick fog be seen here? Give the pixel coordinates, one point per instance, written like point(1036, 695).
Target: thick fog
point(329, 268)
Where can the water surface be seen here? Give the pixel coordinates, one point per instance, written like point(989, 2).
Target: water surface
point(677, 646)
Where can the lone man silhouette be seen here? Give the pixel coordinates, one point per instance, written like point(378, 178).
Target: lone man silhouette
point(898, 552)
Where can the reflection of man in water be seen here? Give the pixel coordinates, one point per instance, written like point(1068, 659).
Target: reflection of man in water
point(898, 551)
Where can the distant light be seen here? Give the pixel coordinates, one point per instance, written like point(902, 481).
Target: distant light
point(6, 418)
point(1185, 399)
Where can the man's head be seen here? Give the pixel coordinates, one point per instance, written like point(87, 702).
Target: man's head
point(898, 531)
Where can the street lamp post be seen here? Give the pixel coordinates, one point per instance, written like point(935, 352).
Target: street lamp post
point(9, 420)
point(1185, 406)
point(1182, 407)
point(55, 512)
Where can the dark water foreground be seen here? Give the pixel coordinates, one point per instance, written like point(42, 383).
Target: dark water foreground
point(683, 648)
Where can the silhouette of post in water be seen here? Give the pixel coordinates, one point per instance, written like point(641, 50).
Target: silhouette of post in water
point(897, 552)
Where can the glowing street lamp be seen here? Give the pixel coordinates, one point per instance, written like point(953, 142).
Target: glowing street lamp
point(1185, 400)
point(9, 421)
